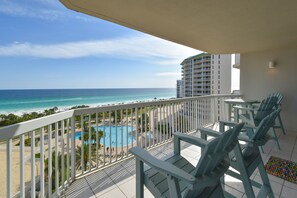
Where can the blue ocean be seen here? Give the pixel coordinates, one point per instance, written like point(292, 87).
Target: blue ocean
point(20, 101)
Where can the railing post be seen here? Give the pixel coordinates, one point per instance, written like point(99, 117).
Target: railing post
point(42, 191)
point(213, 108)
point(22, 170)
point(57, 159)
point(73, 148)
point(33, 161)
point(8, 167)
point(50, 160)
point(136, 130)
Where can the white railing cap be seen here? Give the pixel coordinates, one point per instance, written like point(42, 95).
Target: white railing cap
point(11, 131)
point(23, 127)
point(92, 110)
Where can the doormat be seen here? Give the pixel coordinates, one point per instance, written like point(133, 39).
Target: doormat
point(281, 168)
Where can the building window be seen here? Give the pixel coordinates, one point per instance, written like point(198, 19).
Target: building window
point(219, 81)
point(219, 92)
point(219, 66)
point(219, 56)
point(219, 87)
point(219, 77)
point(219, 72)
point(212, 56)
point(219, 62)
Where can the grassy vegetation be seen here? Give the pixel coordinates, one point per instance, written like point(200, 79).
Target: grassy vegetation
point(11, 118)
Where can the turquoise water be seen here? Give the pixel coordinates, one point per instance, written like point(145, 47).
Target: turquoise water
point(115, 135)
point(19, 101)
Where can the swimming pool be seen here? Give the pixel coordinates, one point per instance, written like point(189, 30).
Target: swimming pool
point(115, 134)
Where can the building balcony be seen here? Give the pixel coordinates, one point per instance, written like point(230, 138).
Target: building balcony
point(201, 89)
point(202, 69)
point(201, 74)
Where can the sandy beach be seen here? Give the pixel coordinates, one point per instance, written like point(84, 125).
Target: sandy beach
point(15, 169)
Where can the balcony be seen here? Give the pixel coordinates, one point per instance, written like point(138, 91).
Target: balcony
point(263, 44)
point(69, 159)
point(119, 180)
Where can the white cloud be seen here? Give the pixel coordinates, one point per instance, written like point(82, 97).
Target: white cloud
point(41, 9)
point(168, 74)
point(144, 47)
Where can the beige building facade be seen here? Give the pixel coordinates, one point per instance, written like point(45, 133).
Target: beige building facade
point(206, 74)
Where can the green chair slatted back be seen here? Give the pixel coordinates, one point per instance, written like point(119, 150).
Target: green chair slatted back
point(259, 135)
point(246, 158)
point(279, 97)
point(214, 158)
point(212, 165)
point(279, 100)
point(266, 107)
point(217, 150)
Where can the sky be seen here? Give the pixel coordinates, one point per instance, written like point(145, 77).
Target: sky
point(44, 45)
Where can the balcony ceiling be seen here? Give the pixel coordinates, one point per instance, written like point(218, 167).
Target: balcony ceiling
point(229, 26)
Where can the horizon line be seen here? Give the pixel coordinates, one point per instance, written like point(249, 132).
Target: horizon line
point(4, 89)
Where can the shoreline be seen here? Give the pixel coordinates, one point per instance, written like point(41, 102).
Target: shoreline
point(66, 108)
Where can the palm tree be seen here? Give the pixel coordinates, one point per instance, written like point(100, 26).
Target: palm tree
point(85, 156)
point(143, 123)
point(54, 169)
point(100, 135)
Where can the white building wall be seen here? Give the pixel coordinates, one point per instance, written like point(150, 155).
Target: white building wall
point(257, 81)
point(207, 74)
point(179, 88)
point(221, 74)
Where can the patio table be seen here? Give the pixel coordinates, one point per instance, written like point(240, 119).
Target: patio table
point(238, 101)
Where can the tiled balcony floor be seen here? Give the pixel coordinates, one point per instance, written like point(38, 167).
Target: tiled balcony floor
point(119, 180)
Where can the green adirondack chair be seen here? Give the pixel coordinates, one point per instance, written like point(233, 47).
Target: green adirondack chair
point(279, 97)
point(176, 177)
point(278, 105)
point(246, 158)
point(253, 116)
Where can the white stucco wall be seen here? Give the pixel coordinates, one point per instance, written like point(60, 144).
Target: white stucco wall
point(221, 74)
point(257, 81)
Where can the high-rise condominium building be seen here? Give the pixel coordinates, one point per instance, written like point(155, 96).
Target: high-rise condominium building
point(179, 88)
point(206, 74)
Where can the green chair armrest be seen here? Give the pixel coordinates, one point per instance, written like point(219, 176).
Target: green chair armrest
point(246, 126)
point(243, 108)
point(228, 123)
point(190, 139)
point(222, 125)
point(210, 132)
point(244, 138)
point(162, 166)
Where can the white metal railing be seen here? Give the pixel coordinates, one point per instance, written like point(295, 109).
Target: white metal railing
point(57, 149)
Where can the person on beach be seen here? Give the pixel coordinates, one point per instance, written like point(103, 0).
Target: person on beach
point(113, 153)
point(107, 151)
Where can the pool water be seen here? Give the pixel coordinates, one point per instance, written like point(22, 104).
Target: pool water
point(115, 134)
